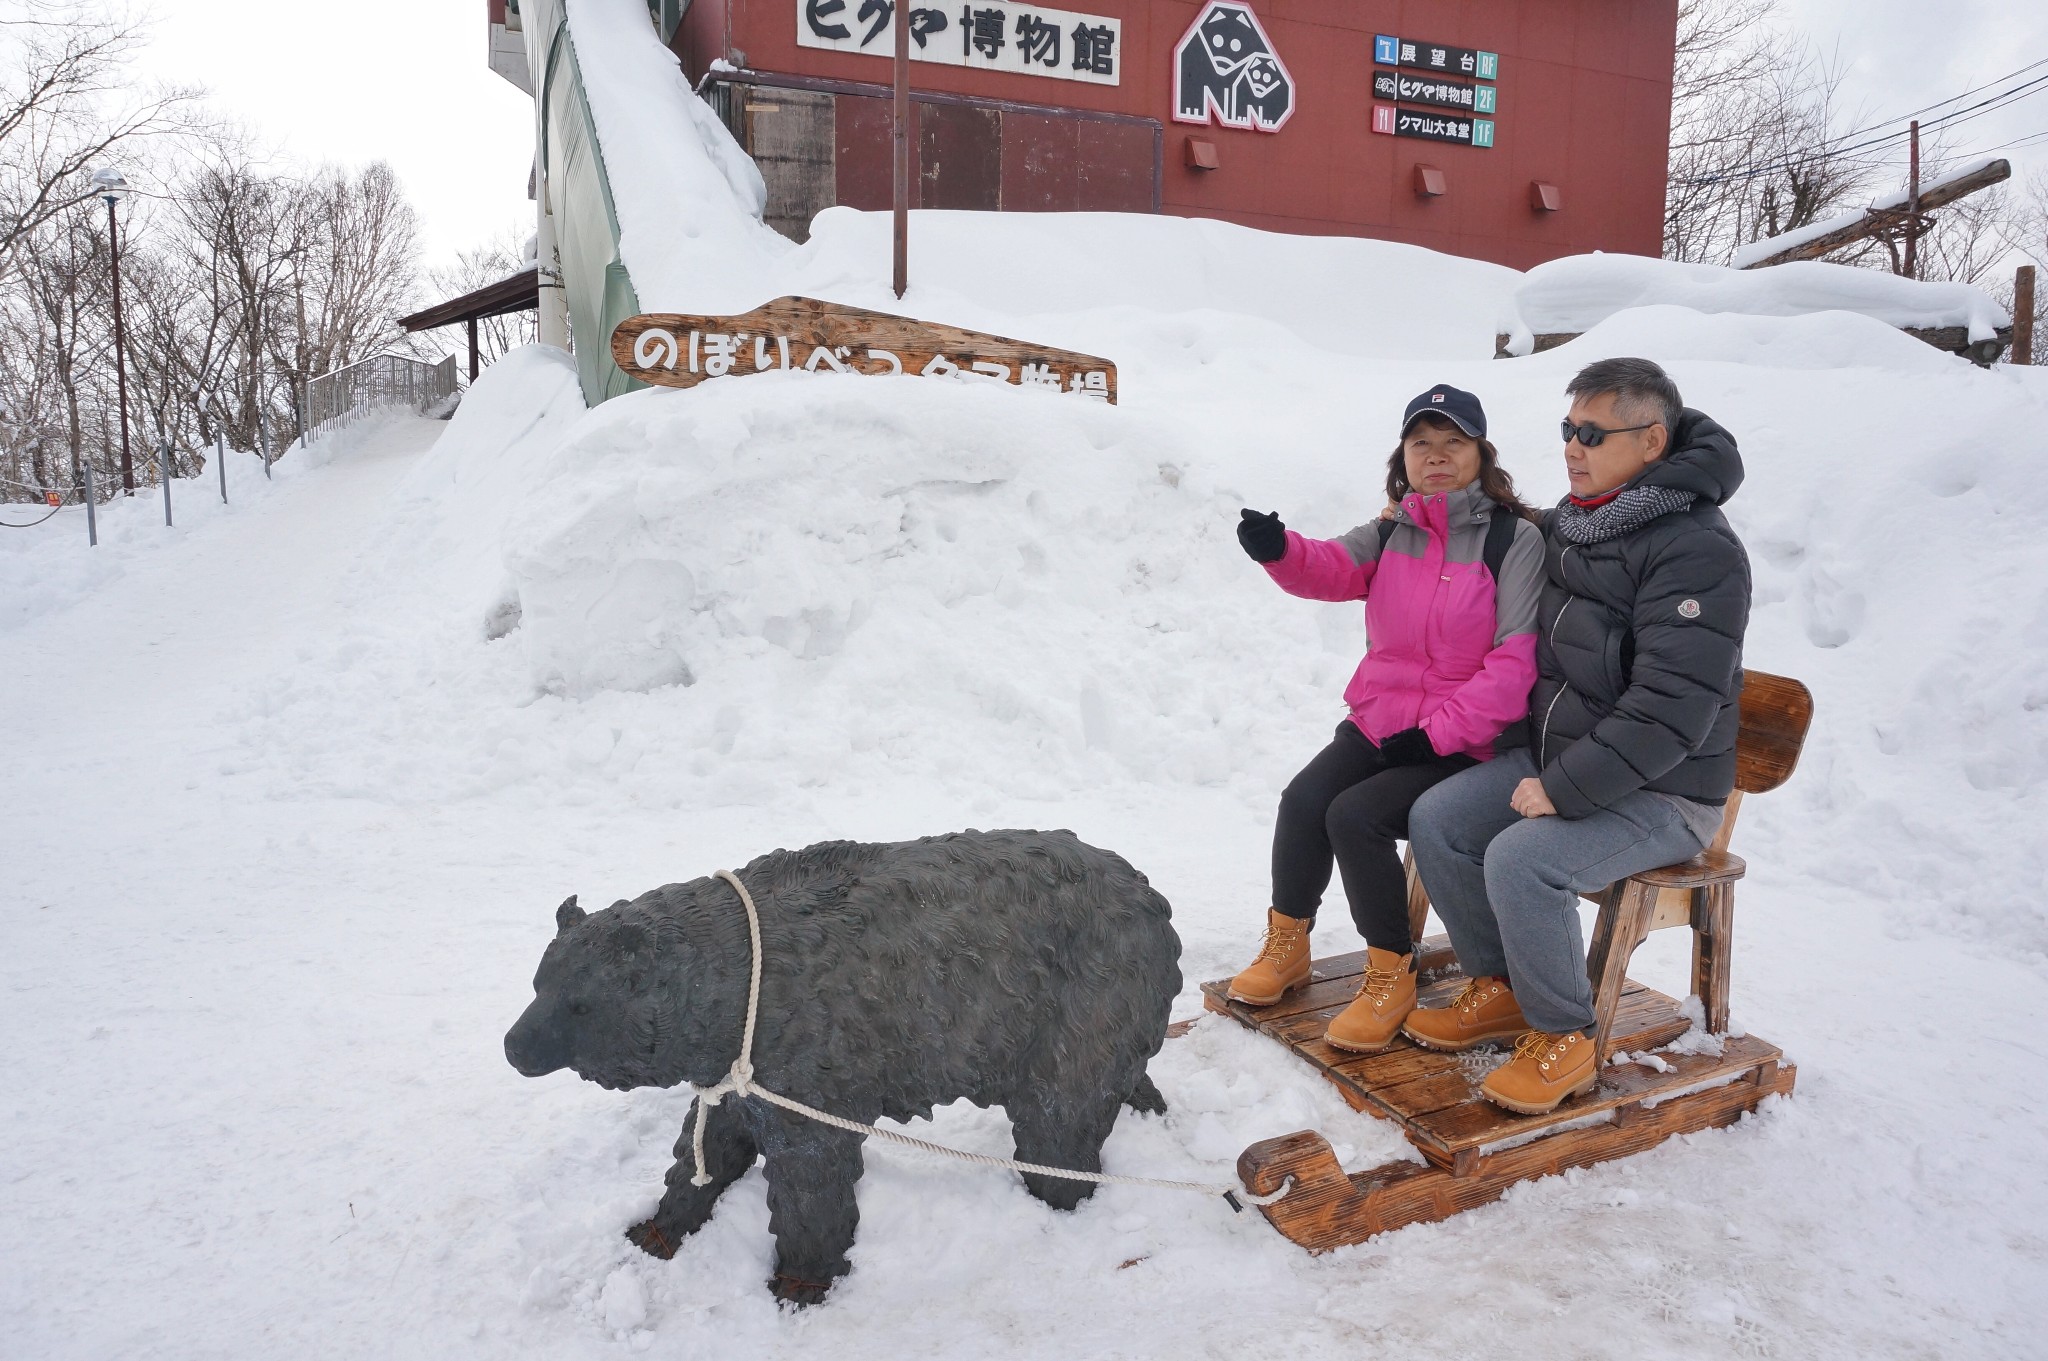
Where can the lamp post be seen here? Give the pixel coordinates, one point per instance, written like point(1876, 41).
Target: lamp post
point(113, 187)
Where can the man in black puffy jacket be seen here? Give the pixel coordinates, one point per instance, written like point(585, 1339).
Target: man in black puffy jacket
point(1631, 745)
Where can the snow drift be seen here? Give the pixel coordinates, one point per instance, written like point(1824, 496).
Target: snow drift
point(1578, 292)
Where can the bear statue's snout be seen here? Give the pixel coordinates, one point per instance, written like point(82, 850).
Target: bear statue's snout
point(535, 1044)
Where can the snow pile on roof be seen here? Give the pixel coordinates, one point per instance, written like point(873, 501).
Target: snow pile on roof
point(689, 200)
point(1578, 292)
point(1819, 340)
point(1799, 236)
point(1343, 294)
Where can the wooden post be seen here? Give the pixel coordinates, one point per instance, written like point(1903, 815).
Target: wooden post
point(2023, 315)
point(1912, 269)
point(901, 197)
point(472, 349)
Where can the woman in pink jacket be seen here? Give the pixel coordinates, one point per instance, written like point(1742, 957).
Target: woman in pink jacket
point(1450, 583)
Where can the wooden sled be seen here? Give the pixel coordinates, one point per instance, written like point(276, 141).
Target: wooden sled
point(1472, 1150)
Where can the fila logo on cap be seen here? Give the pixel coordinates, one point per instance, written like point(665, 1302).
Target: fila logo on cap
point(1436, 396)
point(1689, 608)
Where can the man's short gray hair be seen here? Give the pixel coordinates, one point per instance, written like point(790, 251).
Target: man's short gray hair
point(1643, 392)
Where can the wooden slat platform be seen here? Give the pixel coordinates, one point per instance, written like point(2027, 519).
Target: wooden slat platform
point(1474, 1150)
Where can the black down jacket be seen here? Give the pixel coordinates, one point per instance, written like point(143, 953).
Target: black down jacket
point(1639, 643)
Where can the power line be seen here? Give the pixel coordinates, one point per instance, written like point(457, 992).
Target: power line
point(1954, 117)
point(2030, 139)
point(1908, 117)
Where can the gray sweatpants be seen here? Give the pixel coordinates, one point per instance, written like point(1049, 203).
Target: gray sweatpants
point(1507, 886)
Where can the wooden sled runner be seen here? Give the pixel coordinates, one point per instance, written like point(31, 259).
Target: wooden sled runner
point(1472, 1150)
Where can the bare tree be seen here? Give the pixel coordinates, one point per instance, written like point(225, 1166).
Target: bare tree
point(57, 342)
point(486, 264)
point(1755, 135)
point(65, 104)
point(357, 274)
point(242, 233)
point(241, 282)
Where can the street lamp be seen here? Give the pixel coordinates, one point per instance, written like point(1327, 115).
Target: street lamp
point(113, 187)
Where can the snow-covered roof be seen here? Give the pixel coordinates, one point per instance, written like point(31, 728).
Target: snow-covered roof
point(1577, 293)
point(689, 200)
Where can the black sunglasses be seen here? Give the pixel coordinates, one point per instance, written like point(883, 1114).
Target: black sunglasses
point(1590, 435)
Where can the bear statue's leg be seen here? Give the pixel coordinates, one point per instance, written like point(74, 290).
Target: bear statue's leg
point(1063, 1122)
point(812, 1171)
point(684, 1209)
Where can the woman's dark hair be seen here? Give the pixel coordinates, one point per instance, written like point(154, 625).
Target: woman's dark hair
point(1493, 479)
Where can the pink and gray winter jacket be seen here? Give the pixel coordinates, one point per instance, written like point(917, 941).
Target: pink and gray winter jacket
point(1449, 649)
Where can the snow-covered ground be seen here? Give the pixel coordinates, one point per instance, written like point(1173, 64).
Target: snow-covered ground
point(294, 787)
point(292, 790)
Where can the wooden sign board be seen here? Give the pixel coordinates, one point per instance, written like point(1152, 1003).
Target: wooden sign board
point(677, 351)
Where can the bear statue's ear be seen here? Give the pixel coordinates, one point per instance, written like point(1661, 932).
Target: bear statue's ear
point(567, 915)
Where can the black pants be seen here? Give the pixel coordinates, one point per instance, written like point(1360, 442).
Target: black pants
point(1350, 804)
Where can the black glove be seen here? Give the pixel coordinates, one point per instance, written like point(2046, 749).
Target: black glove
point(1263, 536)
point(1408, 747)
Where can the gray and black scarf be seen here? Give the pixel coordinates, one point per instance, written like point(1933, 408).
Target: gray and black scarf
point(1627, 512)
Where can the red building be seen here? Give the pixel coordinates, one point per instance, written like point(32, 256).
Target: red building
point(1506, 130)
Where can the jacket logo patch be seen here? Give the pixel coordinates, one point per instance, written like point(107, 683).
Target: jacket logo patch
point(1689, 608)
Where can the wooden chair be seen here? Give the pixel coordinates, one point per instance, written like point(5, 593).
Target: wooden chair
point(1473, 1151)
point(1700, 892)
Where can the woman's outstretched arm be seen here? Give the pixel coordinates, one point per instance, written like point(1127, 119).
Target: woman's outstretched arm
point(1328, 569)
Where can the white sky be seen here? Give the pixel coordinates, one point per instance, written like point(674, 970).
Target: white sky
point(1899, 55)
point(405, 80)
point(352, 81)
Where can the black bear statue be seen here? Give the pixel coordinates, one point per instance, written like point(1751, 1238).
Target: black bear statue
point(1020, 969)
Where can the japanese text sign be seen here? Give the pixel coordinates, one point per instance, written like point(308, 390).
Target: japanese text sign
point(1021, 39)
point(1432, 126)
point(1457, 61)
point(1447, 94)
point(809, 336)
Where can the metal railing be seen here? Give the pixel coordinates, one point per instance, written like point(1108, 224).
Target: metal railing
point(336, 399)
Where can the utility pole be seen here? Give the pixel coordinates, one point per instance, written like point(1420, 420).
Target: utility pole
point(902, 150)
point(2023, 316)
point(1912, 269)
point(113, 187)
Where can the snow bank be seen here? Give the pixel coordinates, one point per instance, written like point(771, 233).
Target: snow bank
point(1578, 292)
point(46, 565)
point(689, 200)
point(788, 552)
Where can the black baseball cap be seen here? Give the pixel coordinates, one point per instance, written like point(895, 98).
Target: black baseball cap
point(1460, 406)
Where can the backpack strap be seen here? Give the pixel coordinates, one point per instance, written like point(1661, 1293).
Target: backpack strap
point(1500, 537)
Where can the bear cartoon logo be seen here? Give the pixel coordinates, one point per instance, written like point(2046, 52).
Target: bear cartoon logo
point(1225, 68)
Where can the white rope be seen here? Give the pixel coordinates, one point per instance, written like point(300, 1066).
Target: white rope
point(740, 1082)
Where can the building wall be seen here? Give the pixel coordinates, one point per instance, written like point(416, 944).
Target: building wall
point(1584, 93)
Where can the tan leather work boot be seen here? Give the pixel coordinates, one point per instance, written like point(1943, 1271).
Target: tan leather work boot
point(1385, 998)
point(1485, 1010)
point(1544, 1071)
point(1282, 964)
